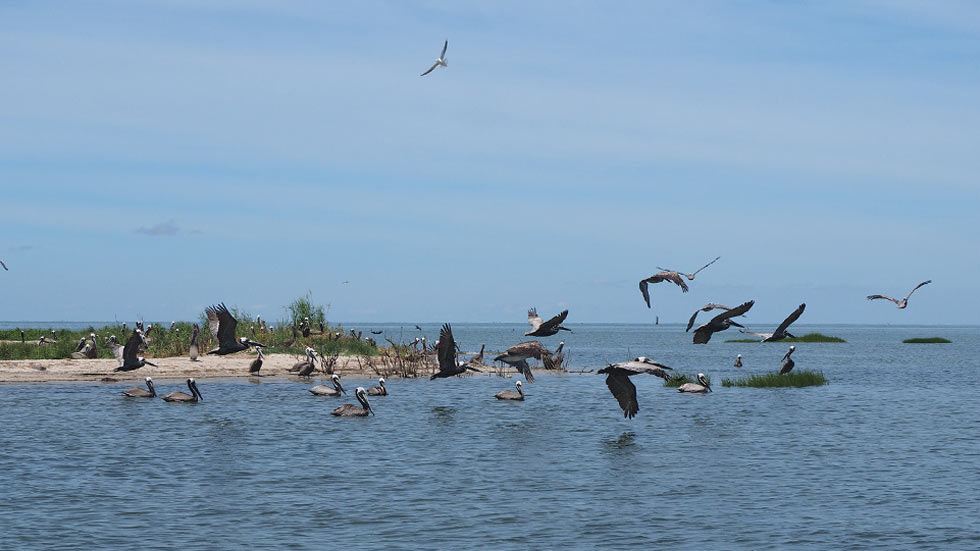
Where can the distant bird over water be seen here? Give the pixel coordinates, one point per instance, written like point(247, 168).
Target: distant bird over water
point(223, 325)
point(548, 328)
point(788, 362)
point(618, 380)
point(4, 266)
point(666, 275)
point(720, 322)
point(440, 61)
point(901, 304)
point(781, 332)
point(690, 277)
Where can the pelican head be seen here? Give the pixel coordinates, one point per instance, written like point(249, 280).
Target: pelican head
point(336, 383)
point(520, 388)
point(361, 395)
point(192, 384)
point(704, 382)
point(381, 381)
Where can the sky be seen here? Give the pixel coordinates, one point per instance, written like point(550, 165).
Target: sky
point(161, 156)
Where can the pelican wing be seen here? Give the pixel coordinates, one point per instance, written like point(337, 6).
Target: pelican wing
point(433, 68)
point(555, 321)
point(533, 319)
point(763, 335)
point(447, 349)
point(532, 349)
point(705, 266)
point(132, 349)
point(624, 390)
point(222, 324)
point(886, 297)
point(525, 370)
point(916, 287)
point(443, 54)
point(790, 319)
point(706, 308)
point(737, 311)
point(644, 291)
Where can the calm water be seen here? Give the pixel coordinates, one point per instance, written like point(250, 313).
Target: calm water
point(884, 457)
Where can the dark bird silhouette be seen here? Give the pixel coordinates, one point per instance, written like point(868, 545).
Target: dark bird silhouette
point(706, 308)
point(781, 332)
point(518, 354)
point(446, 353)
point(128, 356)
point(618, 380)
point(223, 325)
point(137, 392)
point(350, 410)
point(788, 362)
point(666, 275)
point(194, 396)
point(901, 304)
point(545, 328)
point(690, 277)
point(720, 322)
point(290, 342)
point(4, 266)
point(193, 351)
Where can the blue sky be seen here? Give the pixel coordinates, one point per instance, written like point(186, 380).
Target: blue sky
point(157, 157)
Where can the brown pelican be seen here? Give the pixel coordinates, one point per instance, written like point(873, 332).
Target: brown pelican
point(290, 342)
point(256, 365)
point(738, 361)
point(92, 350)
point(618, 380)
point(781, 332)
point(45, 340)
point(128, 356)
point(446, 354)
point(720, 322)
point(478, 359)
point(350, 410)
point(78, 354)
point(690, 277)
point(788, 362)
point(545, 328)
point(223, 325)
point(376, 332)
point(193, 352)
point(510, 394)
point(306, 364)
point(706, 308)
point(695, 387)
point(518, 354)
point(380, 390)
point(900, 303)
point(440, 61)
point(666, 275)
point(554, 360)
point(137, 392)
point(194, 396)
point(323, 390)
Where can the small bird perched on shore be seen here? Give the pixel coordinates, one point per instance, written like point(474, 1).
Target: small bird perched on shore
point(193, 351)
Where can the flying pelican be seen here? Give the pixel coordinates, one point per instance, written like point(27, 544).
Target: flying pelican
point(194, 396)
point(446, 354)
point(900, 303)
point(706, 308)
point(350, 410)
point(137, 392)
point(128, 356)
point(545, 328)
point(788, 362)
point(381, 390)
point(738, 361)
point(323, 390)
point(510, 394)
point(518, 354)
point(695, 387)
point(376, 332)
point(256, 365)
point(720, 322)
point(666, 275)
point(781, 332)
point(618, 380)
point(440, 61)
point(690, 277)
point(223, 325)
point(193, 352)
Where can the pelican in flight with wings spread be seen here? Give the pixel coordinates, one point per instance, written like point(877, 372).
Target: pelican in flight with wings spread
point(706, 308)
point(618, 380)
point(690, 277)
point(440, 62)
point(548, 328)
point(222, 325)
point(781, 332)
point(666, 275)
point(900, 303)
point(720, 322)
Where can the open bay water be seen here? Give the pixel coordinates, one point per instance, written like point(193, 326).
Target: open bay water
point(885, 456)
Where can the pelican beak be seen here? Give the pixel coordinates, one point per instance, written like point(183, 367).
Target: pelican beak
point(341, 387)
point(371, 409)
point(150, 363)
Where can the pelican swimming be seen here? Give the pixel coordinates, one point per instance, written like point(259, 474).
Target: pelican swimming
point(335, 391)
point(256, 365)
point(194, 396)
point(137, 392)
point(781, 332)
point(788, 362)
point(380, 390)
point(720, 322)
point(738, 361)
point(223, 325)
point(518, 354)
point(545, 328)
point(350, 410)
point(441, 61)
point(666, 275)
point(695, 387)
point(618, 380)
point(706, 308)
point(690, 277)
point(510, 394)
point(901, 304)
point(193, 351)
point(128, 356)
point(446, 354)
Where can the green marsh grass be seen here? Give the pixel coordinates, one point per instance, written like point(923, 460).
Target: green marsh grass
point(797, 379)
point(810, 337)
point(927, 340)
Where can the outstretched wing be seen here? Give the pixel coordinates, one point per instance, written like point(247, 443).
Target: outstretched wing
point(874, 297)
point(705, 266)
point(533, 319)
point(737, 311)
point(916, 287)
point(222, 324)
point(555, 321)
point(644, 291)
point(790, 319)
point(444, 46)
point(132, 349)
point(525, 370)
point(433, 68)
point(447, 349)
point(532, 349)
point(673, 277)
point(625, 392)
point(706, 308)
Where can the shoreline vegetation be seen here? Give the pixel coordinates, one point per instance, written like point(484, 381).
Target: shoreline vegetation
point(927, 340)
point(795, 379)
point(810, 337)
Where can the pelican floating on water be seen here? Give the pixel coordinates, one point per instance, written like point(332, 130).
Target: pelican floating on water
point(618, 380)
point(781, 332)
point(446, 354)
point(690, 277)
point(788, 362)
point(223, 325)
point(901, 304)
point(194, 396)
point(720, 322)
point(738, 361)
point(701, 386)
point(335, 391)
point(380, 390)
point(548, 328)
point(510, 394)
point(441, 61)
point(128, 356)
point(666, 275)
point(137, 392)
point(350, 410)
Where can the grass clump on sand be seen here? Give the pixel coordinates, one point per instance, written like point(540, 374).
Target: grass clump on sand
point(927, 340)
point(796, 379)
point(678, 379)
point(810, 337)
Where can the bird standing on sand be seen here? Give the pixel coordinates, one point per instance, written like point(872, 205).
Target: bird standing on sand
point(193, 351)
point(666, 275)
point(256, 365)
point(548, 328)
point(441, 61)
point(901, 304)
point(788, 362)
point(618, 380)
